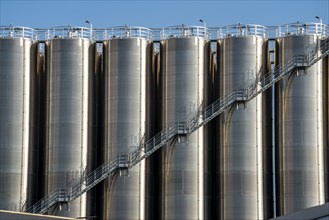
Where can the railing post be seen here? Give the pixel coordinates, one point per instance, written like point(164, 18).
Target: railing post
point(212, 109)
point(307, 59)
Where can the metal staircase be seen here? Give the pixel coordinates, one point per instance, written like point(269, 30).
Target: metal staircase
point(144, 150)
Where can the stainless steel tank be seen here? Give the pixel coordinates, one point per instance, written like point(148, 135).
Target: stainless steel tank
point(69, 140)
point(18, 76)
point(244, 139)
point(127, 67)
point(183, 170)
point(301, 134)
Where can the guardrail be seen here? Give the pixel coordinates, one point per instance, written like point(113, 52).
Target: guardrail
point(18, 32)
point(181, 31)
point(153, 144)
point(128, 32)
point(184, 31)
point(68, 32)
point(237, 30)
point(262, 83)
point(318, 29)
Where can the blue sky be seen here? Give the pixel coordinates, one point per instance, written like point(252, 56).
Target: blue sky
point(159, 13)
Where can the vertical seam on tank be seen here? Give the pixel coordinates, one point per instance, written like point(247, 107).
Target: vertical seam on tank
point(257, 128)
point(85, 151)
point(282, 102)
point(273, 130)
point(317, 130)
point(165, 121)
point(23, 122)
point(259, 136)
point(319, 145)
point(86, 77)
point(139, 126)
point(106, 61)
point(27, 80)
point(222, 130)
point(198, 132)
point(82, 115)
point(107, 186)
point(47, 103)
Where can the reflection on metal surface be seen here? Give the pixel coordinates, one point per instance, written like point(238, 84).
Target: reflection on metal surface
point(301, 133)
point(68, 123)
point(244, 150)
point(127, 67)
point(145, 149)
point(18, 58)
point(182, 172)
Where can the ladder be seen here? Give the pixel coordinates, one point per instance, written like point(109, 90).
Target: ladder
point(146, 149)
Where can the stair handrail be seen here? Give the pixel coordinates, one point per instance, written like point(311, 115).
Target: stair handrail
point(146, 149)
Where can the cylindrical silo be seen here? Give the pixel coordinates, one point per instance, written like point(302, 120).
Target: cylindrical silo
point(244, 186)
point(127, 56)
point(70, 54)
point(18, 121)
point(183, 169)
point(301, 131)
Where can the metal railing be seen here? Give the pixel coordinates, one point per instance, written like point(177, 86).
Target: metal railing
point(237, 30)
point(318, 29)
point(184, 31)
point(180, 31)
point(145, 149)
point(18, 32)
point(128, 32)
point(262, 83)
point(68, 32)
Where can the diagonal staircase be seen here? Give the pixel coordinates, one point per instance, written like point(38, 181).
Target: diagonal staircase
point(144, 150)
